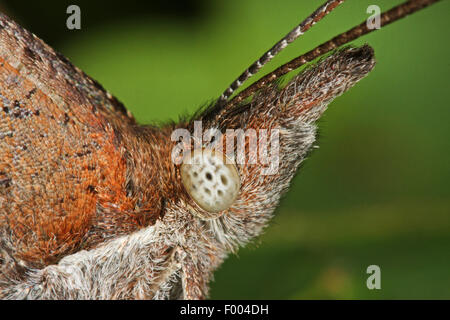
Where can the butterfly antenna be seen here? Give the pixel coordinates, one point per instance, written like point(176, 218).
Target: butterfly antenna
point(386, 18)
point(315, 17)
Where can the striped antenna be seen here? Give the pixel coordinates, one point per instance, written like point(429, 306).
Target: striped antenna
point(386, 18)
point(315, 17)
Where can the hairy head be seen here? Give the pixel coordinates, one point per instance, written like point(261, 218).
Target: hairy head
point(268, 137)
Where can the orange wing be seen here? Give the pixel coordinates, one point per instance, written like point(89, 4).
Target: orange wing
point(61, 158)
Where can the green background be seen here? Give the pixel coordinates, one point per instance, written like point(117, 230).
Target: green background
point(378, 189)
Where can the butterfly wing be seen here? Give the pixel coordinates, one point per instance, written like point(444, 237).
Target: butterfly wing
point(61, 154)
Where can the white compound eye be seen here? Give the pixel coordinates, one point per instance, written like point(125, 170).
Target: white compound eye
point(211, 182)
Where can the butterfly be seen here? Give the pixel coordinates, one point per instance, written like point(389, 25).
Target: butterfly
point(93, 204)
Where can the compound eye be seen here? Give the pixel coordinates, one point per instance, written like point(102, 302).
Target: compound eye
point(210, 179)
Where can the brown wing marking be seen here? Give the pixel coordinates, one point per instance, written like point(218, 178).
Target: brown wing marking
point(55, 76)
point(53, 171)
point(59, 152)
